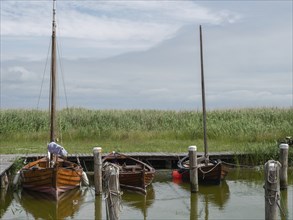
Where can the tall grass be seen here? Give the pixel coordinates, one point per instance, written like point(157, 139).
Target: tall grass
point(147, 130)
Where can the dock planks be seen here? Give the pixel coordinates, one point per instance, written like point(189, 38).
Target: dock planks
point(6, 160)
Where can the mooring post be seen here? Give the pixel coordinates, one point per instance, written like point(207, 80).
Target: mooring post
point(97, 151)
point(112, 191)
point(272, 189)
point(193, 172)
point(284, 148)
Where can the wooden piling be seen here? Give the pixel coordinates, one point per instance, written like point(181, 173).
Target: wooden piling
point(112, 191)
point(193, 168)
point(272, 189)
point(97, 151)
point(284, 148)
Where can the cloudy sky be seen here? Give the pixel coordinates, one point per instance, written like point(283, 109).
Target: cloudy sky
point(145, 54)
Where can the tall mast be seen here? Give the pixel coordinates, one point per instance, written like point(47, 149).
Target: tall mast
point(203, 99)
point(53, 77)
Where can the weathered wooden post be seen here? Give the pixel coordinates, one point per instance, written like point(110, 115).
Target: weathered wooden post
point(112, 190)
point(272, 189)
point(193, 172)
point(97, 151)
point(284, 148)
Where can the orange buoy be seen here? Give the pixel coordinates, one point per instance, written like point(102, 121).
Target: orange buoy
point(176, 174)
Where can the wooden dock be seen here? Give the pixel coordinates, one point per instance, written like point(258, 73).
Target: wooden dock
point(156, 159)
point(6, 162)
point(159, 160)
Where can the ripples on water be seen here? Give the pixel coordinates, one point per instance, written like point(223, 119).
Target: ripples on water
point(240, 196)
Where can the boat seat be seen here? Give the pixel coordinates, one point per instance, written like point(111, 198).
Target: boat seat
point(131, 167)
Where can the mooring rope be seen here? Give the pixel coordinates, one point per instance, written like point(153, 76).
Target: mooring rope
point(273, 195)
point(274, 198)
point(205, 172)
point(109, 169)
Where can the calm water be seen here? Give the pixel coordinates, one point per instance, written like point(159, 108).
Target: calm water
point(240, 196)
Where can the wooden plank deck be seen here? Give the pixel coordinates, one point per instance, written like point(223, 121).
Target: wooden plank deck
point(6, 160)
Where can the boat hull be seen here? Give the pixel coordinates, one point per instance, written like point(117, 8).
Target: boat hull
point(211, 173)
point(133, 173)
point(36, 176)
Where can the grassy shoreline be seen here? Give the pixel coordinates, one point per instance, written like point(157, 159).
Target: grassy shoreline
point(255, 130)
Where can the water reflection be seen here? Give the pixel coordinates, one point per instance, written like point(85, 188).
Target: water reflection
point(98, 207)
point(216, 194)
point(284, 205)
point(242, 191)
point(194, 206)
point(5, 200)
point(139, 201)
point(47, 208)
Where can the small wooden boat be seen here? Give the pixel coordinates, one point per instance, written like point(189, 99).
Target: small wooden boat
point(213, 172)
point(133, 174)
point(53, 174)
point(61, 177)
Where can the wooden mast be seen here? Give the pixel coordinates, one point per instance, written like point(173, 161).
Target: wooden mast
point(206, 155)
point(53, 78)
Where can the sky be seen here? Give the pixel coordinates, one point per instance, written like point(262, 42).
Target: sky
point(145, 54)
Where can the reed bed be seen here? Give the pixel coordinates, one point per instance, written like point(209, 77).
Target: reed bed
point(251, 129)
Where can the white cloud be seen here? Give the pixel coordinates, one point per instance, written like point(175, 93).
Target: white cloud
point(247, 53)
point(18, 74)
point(128, 24)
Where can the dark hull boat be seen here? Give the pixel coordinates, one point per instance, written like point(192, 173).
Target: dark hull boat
point(213, 172)
point(133, 173)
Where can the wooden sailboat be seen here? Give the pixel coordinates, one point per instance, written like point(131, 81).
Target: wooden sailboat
point(52, 175)
point(133, 174)
point(208, 171)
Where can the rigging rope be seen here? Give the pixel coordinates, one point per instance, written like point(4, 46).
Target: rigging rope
point(41, 89)
point(61, 68)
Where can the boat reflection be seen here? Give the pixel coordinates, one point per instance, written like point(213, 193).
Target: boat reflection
point(42, 206)
point(216, 194)
point(140, 201)
point(5, 200)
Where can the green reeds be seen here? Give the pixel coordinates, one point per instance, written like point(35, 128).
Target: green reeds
point(236, 130)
